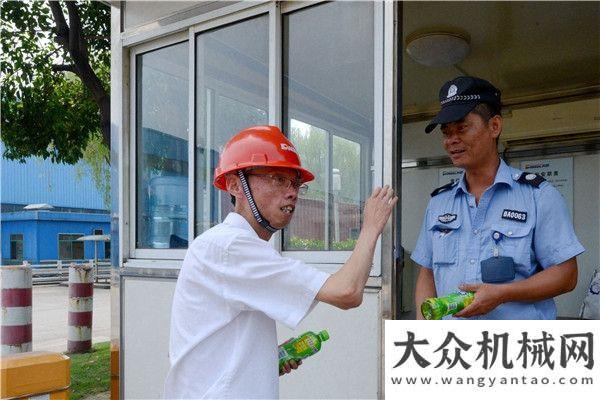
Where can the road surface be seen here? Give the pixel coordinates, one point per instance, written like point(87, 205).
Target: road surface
point(50, 316)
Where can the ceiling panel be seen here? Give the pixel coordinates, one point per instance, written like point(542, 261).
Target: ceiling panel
point(524, 48)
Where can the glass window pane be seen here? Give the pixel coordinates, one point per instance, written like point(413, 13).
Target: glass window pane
point(64, 249)
point(346, 193)
point(328, 108)
point(69, 248)
point(308, 229)
point(16, 246)
point(162, 148)
point(78, 251)
point(232, 93)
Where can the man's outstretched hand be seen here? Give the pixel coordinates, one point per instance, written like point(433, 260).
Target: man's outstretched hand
point(378, 208)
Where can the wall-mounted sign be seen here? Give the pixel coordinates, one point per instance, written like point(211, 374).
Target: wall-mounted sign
point(446, 175)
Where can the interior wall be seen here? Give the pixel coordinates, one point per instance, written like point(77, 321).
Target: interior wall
point(417, 184)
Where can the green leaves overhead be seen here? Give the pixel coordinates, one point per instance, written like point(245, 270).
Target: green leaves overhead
point(54, 95)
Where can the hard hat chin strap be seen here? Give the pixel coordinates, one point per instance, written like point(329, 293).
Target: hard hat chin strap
point(257, 215)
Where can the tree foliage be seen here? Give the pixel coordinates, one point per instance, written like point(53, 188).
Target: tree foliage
point(55, 65)
point(94, 156)
point(312, 145)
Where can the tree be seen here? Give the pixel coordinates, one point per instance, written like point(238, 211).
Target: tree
point(55, 78)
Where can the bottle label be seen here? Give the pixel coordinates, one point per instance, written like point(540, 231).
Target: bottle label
point(300, 346)
point(282, 352)
point(312, 343)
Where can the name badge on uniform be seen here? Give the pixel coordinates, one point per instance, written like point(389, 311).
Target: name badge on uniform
point(514, 215)
point(447, 218)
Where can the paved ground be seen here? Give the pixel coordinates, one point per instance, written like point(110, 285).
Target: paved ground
point(50, 316)
point(99, 396)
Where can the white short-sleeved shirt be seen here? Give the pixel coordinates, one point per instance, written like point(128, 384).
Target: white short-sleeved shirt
point(231, 289)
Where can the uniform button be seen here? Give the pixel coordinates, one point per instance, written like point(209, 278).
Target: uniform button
point(475, 231)
point(509, 233)
point(472, 261)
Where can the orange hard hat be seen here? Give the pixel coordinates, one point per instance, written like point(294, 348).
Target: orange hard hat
point(258, 146)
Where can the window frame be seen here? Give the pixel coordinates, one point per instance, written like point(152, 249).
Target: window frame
point(215, 92)
point(336, 258)
point(58, 235)
point(135, 252)
point(188, 35)
point(11, 240)
point(141, 43)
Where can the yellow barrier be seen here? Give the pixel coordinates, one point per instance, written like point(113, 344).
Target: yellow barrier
point(31, 374)
point(114, 370)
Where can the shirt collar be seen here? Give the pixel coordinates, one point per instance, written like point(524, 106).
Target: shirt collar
point(503, 175)
point(238, 221)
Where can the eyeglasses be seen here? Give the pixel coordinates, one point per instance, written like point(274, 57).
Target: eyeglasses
point(282, 182)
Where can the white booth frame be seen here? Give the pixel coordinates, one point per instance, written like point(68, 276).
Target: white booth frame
point(164, 264)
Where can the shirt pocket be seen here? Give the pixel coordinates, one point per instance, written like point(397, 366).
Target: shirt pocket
point(445, 243)
point(516, 243)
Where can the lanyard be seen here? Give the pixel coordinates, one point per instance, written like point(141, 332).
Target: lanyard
point(497, 236)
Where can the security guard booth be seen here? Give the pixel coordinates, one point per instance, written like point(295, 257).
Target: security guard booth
point(188, 76)
point(336, 77)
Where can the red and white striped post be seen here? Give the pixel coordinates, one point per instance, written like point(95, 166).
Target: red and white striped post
point(16, 308)
point(81, 305)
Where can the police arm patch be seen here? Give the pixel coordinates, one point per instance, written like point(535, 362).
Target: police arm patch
point(441, 189)
point(534, 180)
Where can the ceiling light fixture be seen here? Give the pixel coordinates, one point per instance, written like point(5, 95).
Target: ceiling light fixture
point(438, 49)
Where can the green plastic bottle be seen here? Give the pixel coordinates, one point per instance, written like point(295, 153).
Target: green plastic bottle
point(301, 347)
point(439, 307)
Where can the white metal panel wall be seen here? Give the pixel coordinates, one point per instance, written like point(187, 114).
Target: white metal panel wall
point(586, 218)
point(138, 13)
point(346, 367)
point(141, 12)
point(145, 332)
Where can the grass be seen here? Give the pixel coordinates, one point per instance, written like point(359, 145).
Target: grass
point(90, 372)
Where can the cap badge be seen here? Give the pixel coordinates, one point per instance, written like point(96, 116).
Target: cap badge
point(452, 90)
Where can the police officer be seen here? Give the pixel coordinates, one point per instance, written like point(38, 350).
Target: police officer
point(500, 232)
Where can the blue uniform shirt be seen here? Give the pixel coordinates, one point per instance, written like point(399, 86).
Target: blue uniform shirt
point(533, 224)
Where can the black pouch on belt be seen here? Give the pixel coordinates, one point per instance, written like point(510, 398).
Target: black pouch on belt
point(497, 269)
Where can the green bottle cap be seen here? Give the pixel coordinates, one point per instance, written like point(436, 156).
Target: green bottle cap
point(324, 335)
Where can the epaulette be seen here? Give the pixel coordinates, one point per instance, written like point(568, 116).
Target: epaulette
point(441, 189)
point(529, 178)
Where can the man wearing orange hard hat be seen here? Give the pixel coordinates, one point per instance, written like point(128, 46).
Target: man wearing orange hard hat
point(233, 285)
